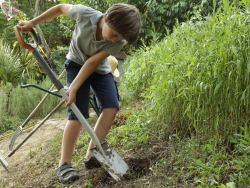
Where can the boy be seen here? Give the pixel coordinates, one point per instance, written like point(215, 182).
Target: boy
point(95, 37)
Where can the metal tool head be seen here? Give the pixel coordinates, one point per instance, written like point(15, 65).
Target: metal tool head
point(4, 163)
point(14, 137)
point(112, 162)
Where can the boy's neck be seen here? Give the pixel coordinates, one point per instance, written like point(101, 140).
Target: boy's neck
point(99, 29)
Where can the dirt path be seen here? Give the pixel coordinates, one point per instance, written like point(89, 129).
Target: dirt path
point(137, 160)
point(46, 132)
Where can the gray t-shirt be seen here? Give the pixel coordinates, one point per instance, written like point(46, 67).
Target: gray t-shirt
point(84, 43)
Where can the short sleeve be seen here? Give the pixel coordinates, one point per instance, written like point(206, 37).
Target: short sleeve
point(76, 12)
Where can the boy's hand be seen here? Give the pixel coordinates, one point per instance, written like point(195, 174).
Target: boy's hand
point(72, 97)
point(25, 26)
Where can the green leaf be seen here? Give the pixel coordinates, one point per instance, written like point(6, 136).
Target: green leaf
point(222, 186)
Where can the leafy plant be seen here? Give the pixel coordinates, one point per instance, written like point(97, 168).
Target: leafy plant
point(9, 65)
point(242, 141)
point(59, 57)
point(132, 133)
point(194, 77)
point(29, 66)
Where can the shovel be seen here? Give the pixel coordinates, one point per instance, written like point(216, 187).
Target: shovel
point(109, 158)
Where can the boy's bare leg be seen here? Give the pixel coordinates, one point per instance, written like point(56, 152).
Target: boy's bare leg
point(102, 127)
point(70, 136)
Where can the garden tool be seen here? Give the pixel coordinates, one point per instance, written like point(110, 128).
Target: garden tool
point(109, 158)
point(20, 128)
point(55, 93)
point(3, 161)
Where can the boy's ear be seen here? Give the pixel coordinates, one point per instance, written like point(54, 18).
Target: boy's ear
point(105, 19)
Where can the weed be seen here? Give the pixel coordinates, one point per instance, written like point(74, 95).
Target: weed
point(32, 154)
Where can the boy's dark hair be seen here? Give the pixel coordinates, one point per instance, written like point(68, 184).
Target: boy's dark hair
point(124, 19)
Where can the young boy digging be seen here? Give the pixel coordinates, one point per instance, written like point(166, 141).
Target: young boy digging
point(95, 37)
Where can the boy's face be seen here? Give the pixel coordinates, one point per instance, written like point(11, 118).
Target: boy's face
point(109, 34)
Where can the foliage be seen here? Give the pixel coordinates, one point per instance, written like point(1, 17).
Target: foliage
point(209, 168)
point(134, 133)
point(9, 64)
point(17, 104)
point(6, 123)
point(23, 101)
point(27, 8)
point(197, 79)
point(29, 66)
point(192, 163)
point(17, 65)
point(59, 57)
point(158, 16)
point(6, 26)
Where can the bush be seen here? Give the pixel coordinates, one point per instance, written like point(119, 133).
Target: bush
point(197, 79)
point(59, 57)
point(158, 16)
point(17, 104)
point(6, 123)
point(23, 101)
point(10, 67)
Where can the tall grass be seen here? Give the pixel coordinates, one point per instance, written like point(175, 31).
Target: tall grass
point(197, 79)
point(24, 100)
point(17, 103)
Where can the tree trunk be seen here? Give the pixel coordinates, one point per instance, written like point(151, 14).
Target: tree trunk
point(44, 43)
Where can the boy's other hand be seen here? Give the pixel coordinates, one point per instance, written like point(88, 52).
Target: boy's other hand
point(72, 97)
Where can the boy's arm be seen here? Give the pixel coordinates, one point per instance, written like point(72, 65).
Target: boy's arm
point(87, 69)
point(47, 15)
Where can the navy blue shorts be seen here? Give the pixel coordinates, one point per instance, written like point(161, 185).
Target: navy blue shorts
point(103, 86)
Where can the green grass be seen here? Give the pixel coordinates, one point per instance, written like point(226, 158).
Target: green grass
point(179, 163)
point(197, 79)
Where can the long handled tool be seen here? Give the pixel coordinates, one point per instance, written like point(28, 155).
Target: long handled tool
point(111, 161)
point(3, 161)
point(92, 101)
point(20, 128)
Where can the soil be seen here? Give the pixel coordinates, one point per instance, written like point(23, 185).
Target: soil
point(138, 161)
point(49, 129)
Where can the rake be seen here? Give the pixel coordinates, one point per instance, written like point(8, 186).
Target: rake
point(3, 161)
point(20, 128)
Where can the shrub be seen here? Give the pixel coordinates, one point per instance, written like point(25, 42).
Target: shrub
point(197, 79)
point(9, 64)
point(23, 101)
point(17, 104)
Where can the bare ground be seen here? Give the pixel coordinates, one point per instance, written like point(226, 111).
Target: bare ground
point(16, 162)
point(138, 162)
